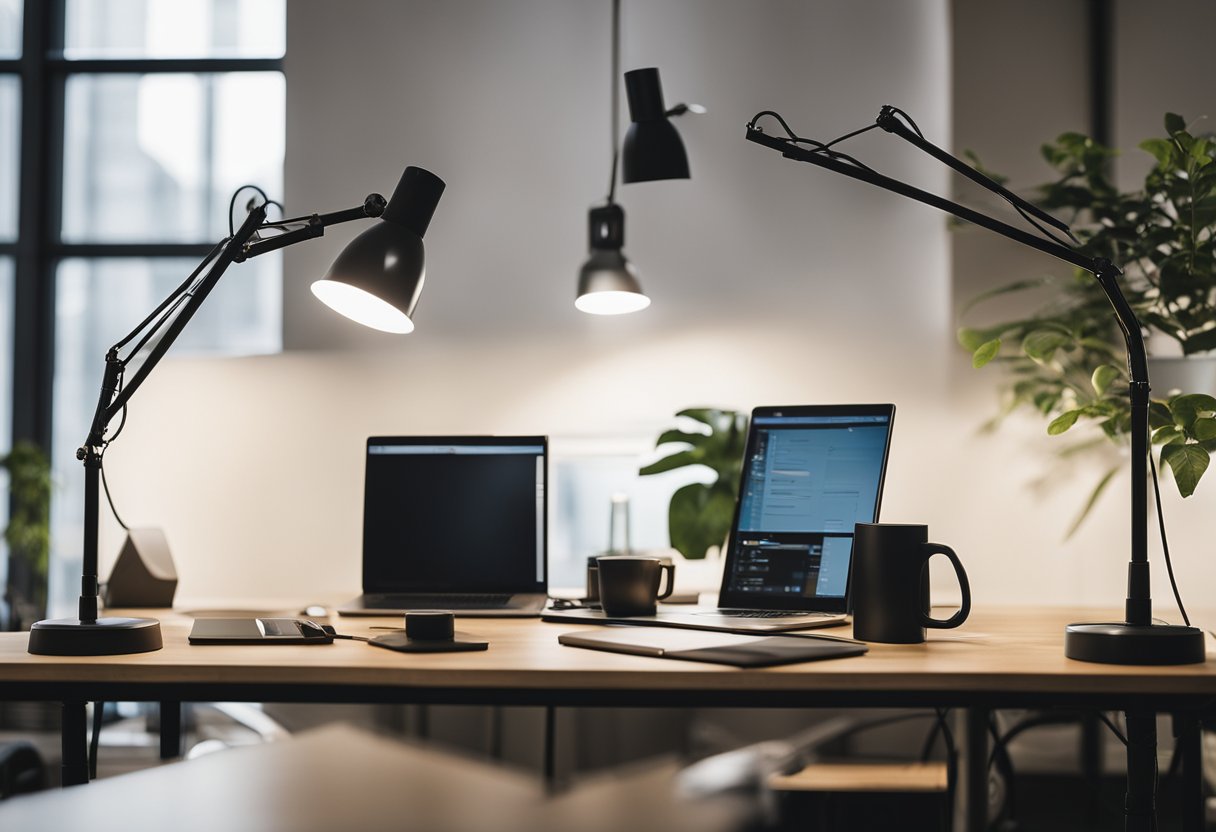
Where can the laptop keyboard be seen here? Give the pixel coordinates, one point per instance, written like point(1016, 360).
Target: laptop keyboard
point(772, 614)
point(422, 601)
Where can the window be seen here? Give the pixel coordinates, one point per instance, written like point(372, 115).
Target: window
point(157, 110)
point(10, 29)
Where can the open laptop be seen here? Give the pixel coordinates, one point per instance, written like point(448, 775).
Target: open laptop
point(809, 474)
point(455, 523)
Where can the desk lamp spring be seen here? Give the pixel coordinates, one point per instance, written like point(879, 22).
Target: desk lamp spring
point(375, 280)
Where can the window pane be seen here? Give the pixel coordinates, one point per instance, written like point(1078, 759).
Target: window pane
point(10, 123)
point(97, 302)
point(175, 29)
point(10, 28)
point(155, 158)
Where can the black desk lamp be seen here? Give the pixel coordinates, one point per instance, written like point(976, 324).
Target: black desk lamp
point(1136, 640)
point(375, 281)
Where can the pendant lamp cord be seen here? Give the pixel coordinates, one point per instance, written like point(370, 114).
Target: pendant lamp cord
point(616, 95)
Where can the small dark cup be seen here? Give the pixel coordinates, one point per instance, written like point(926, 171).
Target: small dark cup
point(629, 584)
point(891, 583)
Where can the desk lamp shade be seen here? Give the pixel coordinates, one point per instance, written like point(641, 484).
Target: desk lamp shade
point(608, 283)
point(377, 278)
point(653, 148)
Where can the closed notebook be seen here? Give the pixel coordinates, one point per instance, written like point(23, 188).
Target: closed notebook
point(716, 648)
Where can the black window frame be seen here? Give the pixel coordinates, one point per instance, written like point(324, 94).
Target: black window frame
point(43, 72)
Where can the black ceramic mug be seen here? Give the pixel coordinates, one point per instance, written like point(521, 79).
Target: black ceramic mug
point(891, 583)
point(629, 584)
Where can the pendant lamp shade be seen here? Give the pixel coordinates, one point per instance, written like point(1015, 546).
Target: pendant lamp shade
point(608, 283)
point(377, 278)
point(653, 149)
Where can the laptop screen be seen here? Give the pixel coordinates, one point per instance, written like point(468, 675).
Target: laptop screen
point(455, 514)
point(809, 474)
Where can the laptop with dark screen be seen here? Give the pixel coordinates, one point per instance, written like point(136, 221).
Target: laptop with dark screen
point(455, 523)
point(809, 474)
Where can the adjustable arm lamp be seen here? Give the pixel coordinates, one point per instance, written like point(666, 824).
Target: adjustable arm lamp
point(375, 281)
point(1136, 640)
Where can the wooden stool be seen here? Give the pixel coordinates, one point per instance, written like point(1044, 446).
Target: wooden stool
point(863, 777)
point(857, 795)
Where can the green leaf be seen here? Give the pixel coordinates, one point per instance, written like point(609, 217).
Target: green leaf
point(698, 517)
point(1204, 429)
point(1167, 434)
point(1093, 499)
point(1188, 462)
point(1102, 376)
point(1200, 342)
point(1041, 344)
point(970, 339)
point(1159, 414)
point(985, 353)
point(1174, 123)
point(1063, 422)
point(676, 435)
point(1162, 150)
point(1186, 409)
point(670, 463)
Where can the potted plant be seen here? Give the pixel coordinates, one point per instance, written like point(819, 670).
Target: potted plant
point(1067, 359)
point(700, 514)
point(27, 533)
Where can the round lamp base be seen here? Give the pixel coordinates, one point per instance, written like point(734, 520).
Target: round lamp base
point(103, 637)
point(1121, 643)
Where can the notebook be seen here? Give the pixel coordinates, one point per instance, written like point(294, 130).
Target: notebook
point(455, 523)
point(809, 474)
point(717, 648)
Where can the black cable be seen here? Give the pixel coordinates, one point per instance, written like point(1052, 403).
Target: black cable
point(232, 203)
point(105, 486)
point(615, 125)
point(1165, 546)
point(1004, 764)
point(951, 753)
point(1114, 729)
point(930, 739)
point(908, 119)
point(99, 709)
point(101, 457)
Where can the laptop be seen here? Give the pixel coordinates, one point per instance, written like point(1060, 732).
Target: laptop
point(455, 523)
point(809, 474)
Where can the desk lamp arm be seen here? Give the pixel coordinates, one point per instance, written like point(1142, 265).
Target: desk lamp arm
point(242, 245)
point(1138, 602)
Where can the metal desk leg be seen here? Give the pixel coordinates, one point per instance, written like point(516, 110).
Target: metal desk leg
point(1190, 745)
point(74, 744)
point(1141, 803)
point(170, 730)
point(550, 747)
point(976, 782)
point(1091, 761)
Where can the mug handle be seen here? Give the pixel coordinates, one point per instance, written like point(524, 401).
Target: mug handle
point(668, 569)
point(931, 549)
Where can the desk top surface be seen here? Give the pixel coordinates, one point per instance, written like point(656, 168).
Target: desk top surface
point(999, 650)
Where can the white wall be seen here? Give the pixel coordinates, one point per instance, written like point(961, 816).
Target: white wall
point(772, 283)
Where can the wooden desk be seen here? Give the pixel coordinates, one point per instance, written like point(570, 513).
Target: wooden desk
point(1001, 658)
